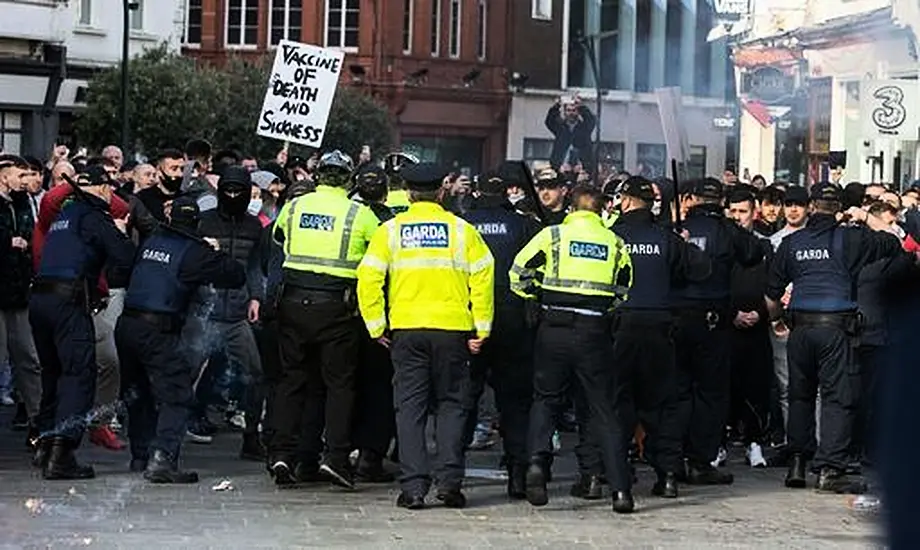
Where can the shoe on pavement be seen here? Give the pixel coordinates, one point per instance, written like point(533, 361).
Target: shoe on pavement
point(199, 438)
point(104, 437)
point(370, 469)
point(410, 502)
point(795, 476)
point(721, 458)
point(62, 464)
point(338, 475)
point(163, 468)
point(536, 486)
point(588, 487)
point(282, 474)
point(517, 482)
point(452, 498)
point(755, 456)
point(708, 475)
point(666, 486)
point(623, 502)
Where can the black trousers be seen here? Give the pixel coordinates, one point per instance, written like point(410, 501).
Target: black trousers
point(646, 383)
point(506, 364)
point(66, 343)
point(318, 342)
point(822, 357)
point(156, 386)
point(431, 375)
point(751, 380)
point(703, 384)
point(570, 345)
point(375, 419)
point(266, 335)
point(871, 367)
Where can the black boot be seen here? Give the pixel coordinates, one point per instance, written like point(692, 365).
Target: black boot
point(536, 485)
point(62, 464)
point(163, 468)
point(588, 487)
point(252, 448)
point(138, 465)
point(370, 468)
point(666, 486)
point(832, 480)
point(707, 474)
point(517, 481)
point(623, 502)
point(795, 477)
point(42, 452)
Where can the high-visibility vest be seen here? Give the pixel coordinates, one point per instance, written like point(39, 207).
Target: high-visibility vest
point(325, 232)
point(580, 256)
point(398, 201)
point(438, 269)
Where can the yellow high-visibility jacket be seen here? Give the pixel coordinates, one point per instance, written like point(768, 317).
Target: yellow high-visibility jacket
point(398, 200)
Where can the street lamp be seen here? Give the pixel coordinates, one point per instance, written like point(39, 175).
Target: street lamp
point(127, 6)
point(588, 44)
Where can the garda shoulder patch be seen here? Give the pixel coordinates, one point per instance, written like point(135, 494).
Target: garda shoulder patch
point(318, 222)
point(589, 251)
point(700, 242)
point(424, 235)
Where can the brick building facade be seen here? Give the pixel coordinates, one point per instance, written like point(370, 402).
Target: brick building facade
point(439, 65)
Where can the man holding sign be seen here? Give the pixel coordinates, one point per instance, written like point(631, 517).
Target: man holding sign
point(300, 92)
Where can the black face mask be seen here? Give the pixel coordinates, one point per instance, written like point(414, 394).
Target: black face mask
point(171, 184)
point(233, 206)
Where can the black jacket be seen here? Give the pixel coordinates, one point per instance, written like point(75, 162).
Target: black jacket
point(15, 264)
point(240, 238)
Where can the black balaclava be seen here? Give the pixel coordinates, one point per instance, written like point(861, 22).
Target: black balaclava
point(172, 184)
point(233, 191)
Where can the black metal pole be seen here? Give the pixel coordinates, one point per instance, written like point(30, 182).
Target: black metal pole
point(591, 50)
point(126, 25)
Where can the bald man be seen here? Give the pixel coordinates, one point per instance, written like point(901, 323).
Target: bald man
point(61, 169)
point(114, 156)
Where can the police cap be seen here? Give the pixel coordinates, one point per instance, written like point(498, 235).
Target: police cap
point(234, 175)
point(8, 160)
point(638, 187)
point(335, 160)
point(796, 194)
point(423, 176)
point(93, 175)
point(825, 192)
point(184, 212)
point(708, 188)
point(370, 178)
point(492, 183)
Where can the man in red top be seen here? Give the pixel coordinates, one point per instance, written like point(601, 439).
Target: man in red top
point(107, 384)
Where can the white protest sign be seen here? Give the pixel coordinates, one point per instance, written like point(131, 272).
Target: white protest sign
point(889, 109)
point(300, 91)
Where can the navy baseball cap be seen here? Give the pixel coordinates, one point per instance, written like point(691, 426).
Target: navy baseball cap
point(708, 188)
point(825, 192)
point(93, 175)
point(796, 194)
point(638, 187)
point(424, 175)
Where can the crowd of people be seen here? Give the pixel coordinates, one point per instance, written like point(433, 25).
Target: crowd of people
point(351, 301)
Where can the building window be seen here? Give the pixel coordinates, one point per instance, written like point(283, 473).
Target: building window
point(192, 34)
point(408, 18)
point(591, 18)
point(137, 16)
point(541, 9)
point(696, 168)
point(455, 28)
point(482, 17)
point(651, 160)
point(10, 132)
point(436, 28)
point(537, 151)
point(610, 157)
point(342, 18)
point(284, 21)
point(86, 12)
point(242, 23)
point(672, 30)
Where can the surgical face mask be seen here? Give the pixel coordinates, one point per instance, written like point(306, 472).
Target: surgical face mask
point(656, 208)
point(515, 197)
point(255, 206)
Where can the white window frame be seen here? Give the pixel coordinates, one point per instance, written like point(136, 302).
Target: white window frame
point(10, 130)
point(341, 45)
point(537, 13)
point(240, 46)
point(438, 17)
point(185, 24)
point(85, 13)
point(408, 31)
point(287, 22)
point(455, 33)
point(482, 41)
point(136, 16)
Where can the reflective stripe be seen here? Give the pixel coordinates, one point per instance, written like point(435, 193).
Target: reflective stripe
point(435, 263)
point(554, 251)
point(346, 235)
point(522, 271)
point(460, 247)
point(376, 324)
point(374, 262)
point(483, 263)
point(325, 262)
point(583, 285)
point(484, 326)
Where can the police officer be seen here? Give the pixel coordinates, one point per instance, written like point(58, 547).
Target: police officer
point(323, 235)
point(822, 261)
point(704, 333)
point(375, 421)
point(398, 197)
point(643, 350)
point(82, 240)
point(586, 272)
point(439, 308)
point(506, 360)
point(156, 372)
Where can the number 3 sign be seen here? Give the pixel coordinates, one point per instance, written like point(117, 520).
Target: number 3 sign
point(889, 109)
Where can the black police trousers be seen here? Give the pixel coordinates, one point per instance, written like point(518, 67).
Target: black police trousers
point(375, 419)
point(156, 385)
point(66, 343)
point(574, 346)
point(703, 347)
point(822, 357)
point(431, 375)
point(506, 363)
point(318, 343)
point(751, 380)
point(871, 367)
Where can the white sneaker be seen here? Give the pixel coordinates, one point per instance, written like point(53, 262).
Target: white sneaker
point(239, 420)
point(720, 458)
point(755, 456)
point(7, 400)
point(198, 438)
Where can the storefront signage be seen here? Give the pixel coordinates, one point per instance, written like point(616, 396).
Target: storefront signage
point(725, 122)
point(731, 9)
point(770, 85)
point(889, 109)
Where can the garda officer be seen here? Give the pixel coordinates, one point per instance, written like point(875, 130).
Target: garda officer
point(82, 240)
point(506, 360)
point(375, 422)
point(822, 261)
point(704, 334)
point(439, 308)
point(611, 194)
point(643, 350)
point(398, 197)
point(323, 235)
point(156, 372)
point(586, 272)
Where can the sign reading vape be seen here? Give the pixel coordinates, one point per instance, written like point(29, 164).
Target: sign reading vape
point(889, 109)
point(731, 9)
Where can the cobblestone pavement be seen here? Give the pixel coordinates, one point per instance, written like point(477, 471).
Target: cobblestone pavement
point(118, 510)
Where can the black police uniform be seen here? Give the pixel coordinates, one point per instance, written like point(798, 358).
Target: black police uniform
point(823, 261)
point(703, 342)
point(81, 241)
point(157, 374)
point(644, 327)
point(506, 359)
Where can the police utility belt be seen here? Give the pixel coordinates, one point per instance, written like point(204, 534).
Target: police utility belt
point(76, 291)
point(312, 296)
point(848, 321)
point(165, 322)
